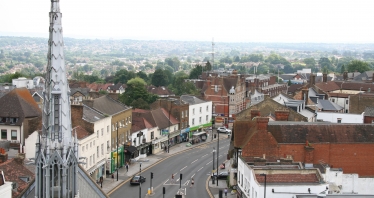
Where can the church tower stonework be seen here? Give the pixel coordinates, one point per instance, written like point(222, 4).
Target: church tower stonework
point(56, 156)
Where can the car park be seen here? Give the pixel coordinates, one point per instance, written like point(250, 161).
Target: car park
point(223, 130)
point(221, 175)
point(137, 179)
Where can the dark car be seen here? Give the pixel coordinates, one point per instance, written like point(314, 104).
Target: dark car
point(137, 180)
point(221, 175)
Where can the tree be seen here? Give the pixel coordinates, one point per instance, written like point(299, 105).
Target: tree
point(136, 92)
point(310, 62)
point(142, 75)
point(357, 65)
point(208, 66)
point(196, 72)
point(159, 78)
point(325, 62)
point(342, 69)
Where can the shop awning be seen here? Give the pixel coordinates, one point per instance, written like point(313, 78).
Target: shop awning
point(130, 150)
point(200, 133)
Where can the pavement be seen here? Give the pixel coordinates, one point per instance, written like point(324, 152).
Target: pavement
point(110, 185)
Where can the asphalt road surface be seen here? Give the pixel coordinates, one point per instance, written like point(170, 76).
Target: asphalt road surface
point(195, 163)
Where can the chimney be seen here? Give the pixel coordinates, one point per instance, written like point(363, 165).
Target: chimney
point(324, 78)
point(262, 123)
point(88, 103)
point(305, 93)
point(312, 79)
point(281, 114)
point(345, 75)
point(309, 154)
point(3, 155)
point(19, 159)
point(255, 113)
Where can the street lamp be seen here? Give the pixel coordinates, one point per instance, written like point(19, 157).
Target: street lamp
point(214, 153)
point(117, 151)
point(140, 180)
point(263, 174)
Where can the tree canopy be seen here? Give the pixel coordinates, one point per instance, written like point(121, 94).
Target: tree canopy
point(136, 94)
point(357, 65)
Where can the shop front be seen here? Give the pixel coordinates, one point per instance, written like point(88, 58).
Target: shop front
point(117, 156)
point(159, 144)
point(199, 128)
point(174, 138)
point(185, 134)
point(130, 153)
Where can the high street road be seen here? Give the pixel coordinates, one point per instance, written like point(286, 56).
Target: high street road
point(193, 163)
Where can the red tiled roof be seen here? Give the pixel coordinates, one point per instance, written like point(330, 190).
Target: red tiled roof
point(288, 178)
point(328, 86)
point(13, 170)
point(81, 132)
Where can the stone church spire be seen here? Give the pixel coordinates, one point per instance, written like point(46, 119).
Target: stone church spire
point(56, 151)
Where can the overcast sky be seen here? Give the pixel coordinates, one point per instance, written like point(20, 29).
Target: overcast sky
point(225, 20)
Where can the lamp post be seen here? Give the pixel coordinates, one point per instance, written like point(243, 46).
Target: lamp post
point(263, 174)
point(214, 153)
point(117, 151)
point(140, 181)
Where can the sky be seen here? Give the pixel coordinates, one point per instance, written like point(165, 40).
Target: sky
point(289, 21)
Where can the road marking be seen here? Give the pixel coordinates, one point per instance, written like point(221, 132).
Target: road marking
point(200, 169)
point(186, 183)
point(208, 163)
point(178, 179)
point(192, 175)
point(166, 182)
point(183, 168)
point(204, 155)
point(194, 161)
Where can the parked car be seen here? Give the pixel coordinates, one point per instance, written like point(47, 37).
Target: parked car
point(223, 130)
point(137, 179)
point(221, 175)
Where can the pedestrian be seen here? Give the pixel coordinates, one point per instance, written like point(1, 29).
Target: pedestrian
point(192, 182)
point(112, 177)
point(127, 167)
point(225, 192)
point(172, 178)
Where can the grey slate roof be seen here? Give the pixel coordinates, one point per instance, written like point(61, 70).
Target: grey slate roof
point(191, 99)
point(160, 118)
point(327, 105)
point(109, 106)
point(84, 91)
point(369, 111)
point(91, 115)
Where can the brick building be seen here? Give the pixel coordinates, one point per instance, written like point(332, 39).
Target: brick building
point(228, 95)
point(346, 146)
point(369, 115)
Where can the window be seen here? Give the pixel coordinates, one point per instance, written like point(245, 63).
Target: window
point(13, 120)
point(207, 108)
point(199, 120)
point(97, 133)
point(339, 120)
point(102, 131)
point(107, 144)
point(193, 121)
point(206, 118)
point(186, 114)
point(90, 144)
point(201, 109)
point(152, 135)
point(107, 129)
point(86, 146)
point(193, 111)
point(94, 142)
point(346, 102)
point(97, 151)
point(4, 134)
point(333, 100)
point(90, 160)
point(182, 114)
point(102, 149)
point(112, 127)
point(82, 148)
point(93, 156)
point(14, 135)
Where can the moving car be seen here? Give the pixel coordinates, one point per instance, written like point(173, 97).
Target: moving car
point(223, 130)
point(221, 175)
point(137, 179)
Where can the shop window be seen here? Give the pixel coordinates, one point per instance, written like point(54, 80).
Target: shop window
point(152, 135)
point(4, 134)
point(14, 135)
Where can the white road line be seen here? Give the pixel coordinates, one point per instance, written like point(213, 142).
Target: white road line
point(194, 161)
point(166, 182)
point(200, 169)
point(192, 175)
point(208, 163)
point(204, 155)
point(178, 179)
point(186, 183)
point(183, 168)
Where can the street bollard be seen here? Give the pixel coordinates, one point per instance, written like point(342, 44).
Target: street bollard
point(220, 193)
